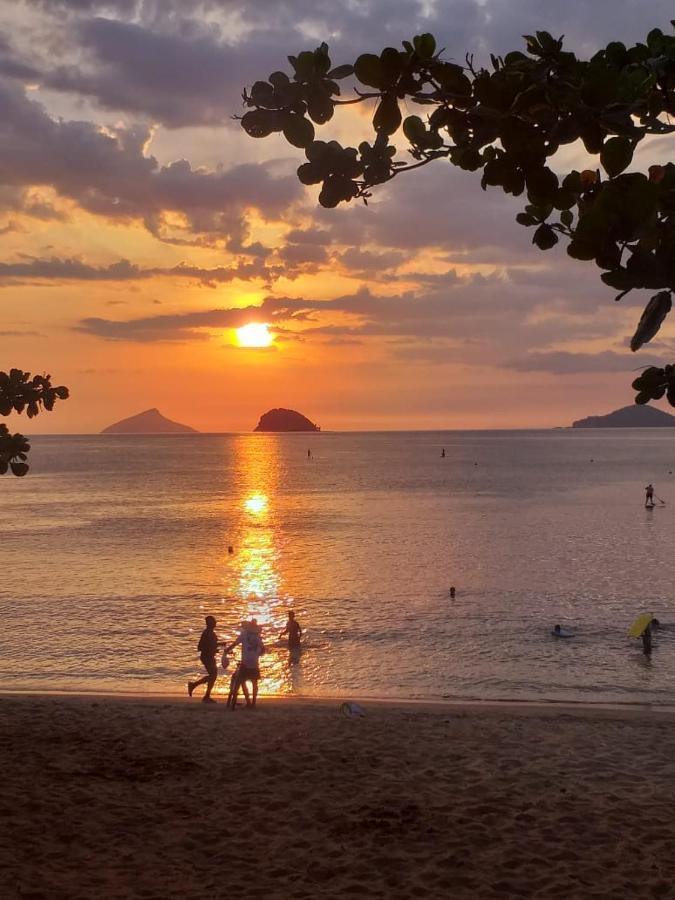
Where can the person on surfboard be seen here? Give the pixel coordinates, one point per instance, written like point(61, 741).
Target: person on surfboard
point(649, 495)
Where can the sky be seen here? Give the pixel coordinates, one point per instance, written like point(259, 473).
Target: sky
point(141, 226)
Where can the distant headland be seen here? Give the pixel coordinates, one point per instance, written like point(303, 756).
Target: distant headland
point(285, 420)
point(629, 417)
point(149, 422)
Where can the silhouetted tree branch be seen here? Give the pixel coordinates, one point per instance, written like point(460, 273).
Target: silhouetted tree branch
point(19, 392)
point(507, 122)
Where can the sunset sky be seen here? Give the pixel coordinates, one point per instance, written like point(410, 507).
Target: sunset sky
point(141, 226)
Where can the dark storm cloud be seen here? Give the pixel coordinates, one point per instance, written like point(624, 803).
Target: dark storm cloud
point(107, 172)
point(57, 270)
point(184, 62)
point(179, 327)
point(486, 312)
point(563, 363)
point(20, 200)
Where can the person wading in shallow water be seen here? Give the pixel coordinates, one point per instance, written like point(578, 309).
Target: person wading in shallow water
point(208, 647)
point(293, 630)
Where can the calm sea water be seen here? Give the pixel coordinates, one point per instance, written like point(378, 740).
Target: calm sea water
point(115, 548)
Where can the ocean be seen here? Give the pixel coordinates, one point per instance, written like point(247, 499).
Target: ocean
point(116, 547)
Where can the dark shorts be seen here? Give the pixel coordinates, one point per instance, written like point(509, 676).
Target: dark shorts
point(210, 664)
point(246, 674)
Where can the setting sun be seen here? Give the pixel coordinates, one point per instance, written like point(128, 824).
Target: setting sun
point(255, 334)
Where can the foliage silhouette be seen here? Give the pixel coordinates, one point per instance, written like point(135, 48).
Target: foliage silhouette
point(19, 392)
point(508, 122)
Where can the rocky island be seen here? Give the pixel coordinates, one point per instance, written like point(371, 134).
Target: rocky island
point(629, 417)
point(285, 420)
point(149, 422)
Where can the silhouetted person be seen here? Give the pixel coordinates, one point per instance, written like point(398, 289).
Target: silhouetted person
point(309, 454)
point(252, 648)
point(208, 647)
point(649, 495)
point(647, 641)
point(293, 630)
point(452, 593)
point(443, 453)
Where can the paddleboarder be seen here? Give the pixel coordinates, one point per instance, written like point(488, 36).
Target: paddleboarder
point(647, 640)
point(649, 495)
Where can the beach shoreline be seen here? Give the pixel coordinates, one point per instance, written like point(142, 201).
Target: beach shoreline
point(582, 708)
point(163, 797)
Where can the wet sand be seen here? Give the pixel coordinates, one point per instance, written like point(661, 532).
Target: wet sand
point(167, 798)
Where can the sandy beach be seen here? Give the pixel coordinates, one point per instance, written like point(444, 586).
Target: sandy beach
point(165, 798)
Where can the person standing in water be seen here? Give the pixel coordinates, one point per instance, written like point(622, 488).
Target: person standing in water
point(647, 640)
point(443, 453)
point(293, 630)
point(208, 647)
point(649, 495)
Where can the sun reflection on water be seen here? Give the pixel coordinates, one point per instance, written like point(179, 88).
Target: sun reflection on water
point(253, 579)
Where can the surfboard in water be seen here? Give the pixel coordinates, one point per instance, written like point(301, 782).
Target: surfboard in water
point(640, 624)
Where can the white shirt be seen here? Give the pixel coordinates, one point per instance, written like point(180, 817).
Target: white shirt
point(251, 648)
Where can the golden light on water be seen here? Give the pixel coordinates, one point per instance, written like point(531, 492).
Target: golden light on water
point(253, 581)
point(255, 334)
point(256, 504)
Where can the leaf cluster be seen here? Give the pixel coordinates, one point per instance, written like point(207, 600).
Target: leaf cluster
point(19, 392)
point(507, 121)
point(13, 452)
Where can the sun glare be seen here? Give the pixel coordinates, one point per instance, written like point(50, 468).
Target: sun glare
point(255, 334)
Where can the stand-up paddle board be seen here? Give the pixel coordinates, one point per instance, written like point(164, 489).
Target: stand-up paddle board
point(640, 624)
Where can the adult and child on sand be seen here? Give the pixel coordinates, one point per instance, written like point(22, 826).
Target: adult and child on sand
point(248, 670)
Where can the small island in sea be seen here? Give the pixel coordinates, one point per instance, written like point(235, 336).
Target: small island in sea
point(149, 422)
point(629, 417)
point(285, 420)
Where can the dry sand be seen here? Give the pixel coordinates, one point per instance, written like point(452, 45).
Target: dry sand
point(110, 798)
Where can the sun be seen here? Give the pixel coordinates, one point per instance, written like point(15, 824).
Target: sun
point(255, 334)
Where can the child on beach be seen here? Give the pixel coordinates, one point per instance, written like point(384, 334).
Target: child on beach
point(252, 648)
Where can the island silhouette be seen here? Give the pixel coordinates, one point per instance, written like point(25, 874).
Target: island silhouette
point(285, 420)
point(635, 416)
point(149, 422)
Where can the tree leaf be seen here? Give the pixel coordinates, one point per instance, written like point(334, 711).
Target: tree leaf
point(298, 130)
point(651, 319)
point(387, 116)
point(368, 70)
point(341, 72)
point(545, 237)
point(616, 155)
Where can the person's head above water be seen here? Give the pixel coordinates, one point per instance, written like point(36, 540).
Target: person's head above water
point(210, 622)
point(556, 628)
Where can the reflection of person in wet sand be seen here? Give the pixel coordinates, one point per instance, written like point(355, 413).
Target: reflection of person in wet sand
point(252, 648)
point(293, 630)
point(208, 647)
